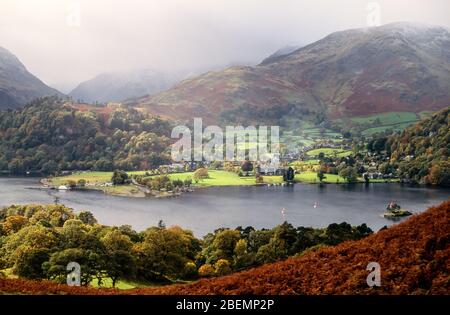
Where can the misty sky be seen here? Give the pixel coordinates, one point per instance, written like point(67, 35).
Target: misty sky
point(63, 49)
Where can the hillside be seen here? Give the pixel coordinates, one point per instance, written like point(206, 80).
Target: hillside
point(17, 85)
point(423, 150)
point(400, 67)
point(79, 137)
point(413, 256)
point(118, 86)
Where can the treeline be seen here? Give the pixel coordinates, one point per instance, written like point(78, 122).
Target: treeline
point(38, 242)
point(50, 135)
point(421, 153)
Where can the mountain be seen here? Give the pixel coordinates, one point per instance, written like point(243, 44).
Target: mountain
point(17, 85)
point(280, 53)
point(395, 67)
point(413, 257)
point(118, 86)
point(423, 150)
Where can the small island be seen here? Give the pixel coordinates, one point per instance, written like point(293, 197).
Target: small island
point(395, 211)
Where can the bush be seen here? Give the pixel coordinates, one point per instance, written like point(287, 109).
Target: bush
point(81, 183)
point(206, 271)
point(190, 270)
point(71, 183)
point(120, 178)
point(222, 267)
point(200, 174)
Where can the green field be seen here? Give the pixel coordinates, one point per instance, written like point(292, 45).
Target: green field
point(90, 177)
point(395, 128)
point(299, 133)
point(378, 123)
point(389, 118)
point(122, 284)
point(330, 152)
point(311, 177)
point(307, 162)
point(216, 178)
point(224, 178)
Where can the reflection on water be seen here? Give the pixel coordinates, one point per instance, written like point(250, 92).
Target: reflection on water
point(207, 209)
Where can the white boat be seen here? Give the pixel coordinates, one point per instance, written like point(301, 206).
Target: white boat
point(62, 187)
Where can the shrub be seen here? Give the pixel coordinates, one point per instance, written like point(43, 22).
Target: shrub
point(206, 271)
point(222, 267)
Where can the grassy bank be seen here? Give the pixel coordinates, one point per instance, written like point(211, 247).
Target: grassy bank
point(224, 178)
point(329, 152)
point(217, 178)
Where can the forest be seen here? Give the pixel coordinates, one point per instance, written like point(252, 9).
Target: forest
point(106, 139)
point(37, 242)
point(413, 255)
point(423, 151)
point(420, 152)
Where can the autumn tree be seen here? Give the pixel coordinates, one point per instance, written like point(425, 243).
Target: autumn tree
point(350, 174)
point(165, 252)
point(206, 270)
point(200, 174)
point(222, 267)
point(119, 262)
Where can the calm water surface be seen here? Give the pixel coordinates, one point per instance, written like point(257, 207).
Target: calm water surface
point(207, 209)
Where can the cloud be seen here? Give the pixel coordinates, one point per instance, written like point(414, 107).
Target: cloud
point(171, 35)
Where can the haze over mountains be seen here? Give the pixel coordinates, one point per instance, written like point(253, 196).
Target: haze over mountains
point(395, 67)
point(118, 86)
point(17, 85)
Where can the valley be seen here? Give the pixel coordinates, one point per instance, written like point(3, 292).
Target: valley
point(364, 128)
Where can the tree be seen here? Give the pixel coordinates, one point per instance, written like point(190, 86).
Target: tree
point(289, 175)
point(81, 183)
point(337, 233)
point(71, 184)
point(200, 174)
point(14, 223)
point(87, 217)
point(247, 167)
point(188, 181)
point(222, 246)
point(206, 270)
point(165, 252)
point(190, 270)
point(350, 174)
point(242, 258)
point(29, 263)
point(439, 174)
point(90, 262)
point(119, 261)
point(119, 178)
point(55, 215)
point(222, 267)
point(270, 252)
point(321, 175)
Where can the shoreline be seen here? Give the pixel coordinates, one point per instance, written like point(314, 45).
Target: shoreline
point(135, 191)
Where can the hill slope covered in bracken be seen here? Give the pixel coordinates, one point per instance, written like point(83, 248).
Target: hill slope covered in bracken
point(414, 257)
point(396, 67)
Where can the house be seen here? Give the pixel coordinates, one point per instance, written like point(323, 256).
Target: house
point(270, 171)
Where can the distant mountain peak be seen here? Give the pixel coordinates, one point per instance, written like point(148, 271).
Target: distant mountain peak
point(395, 67)
point(120, 85)
point(17, 85)
point(286, 50)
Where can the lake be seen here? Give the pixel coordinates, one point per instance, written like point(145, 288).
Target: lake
point(207, 209)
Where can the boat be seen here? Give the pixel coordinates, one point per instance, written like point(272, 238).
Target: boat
point(63, 187)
